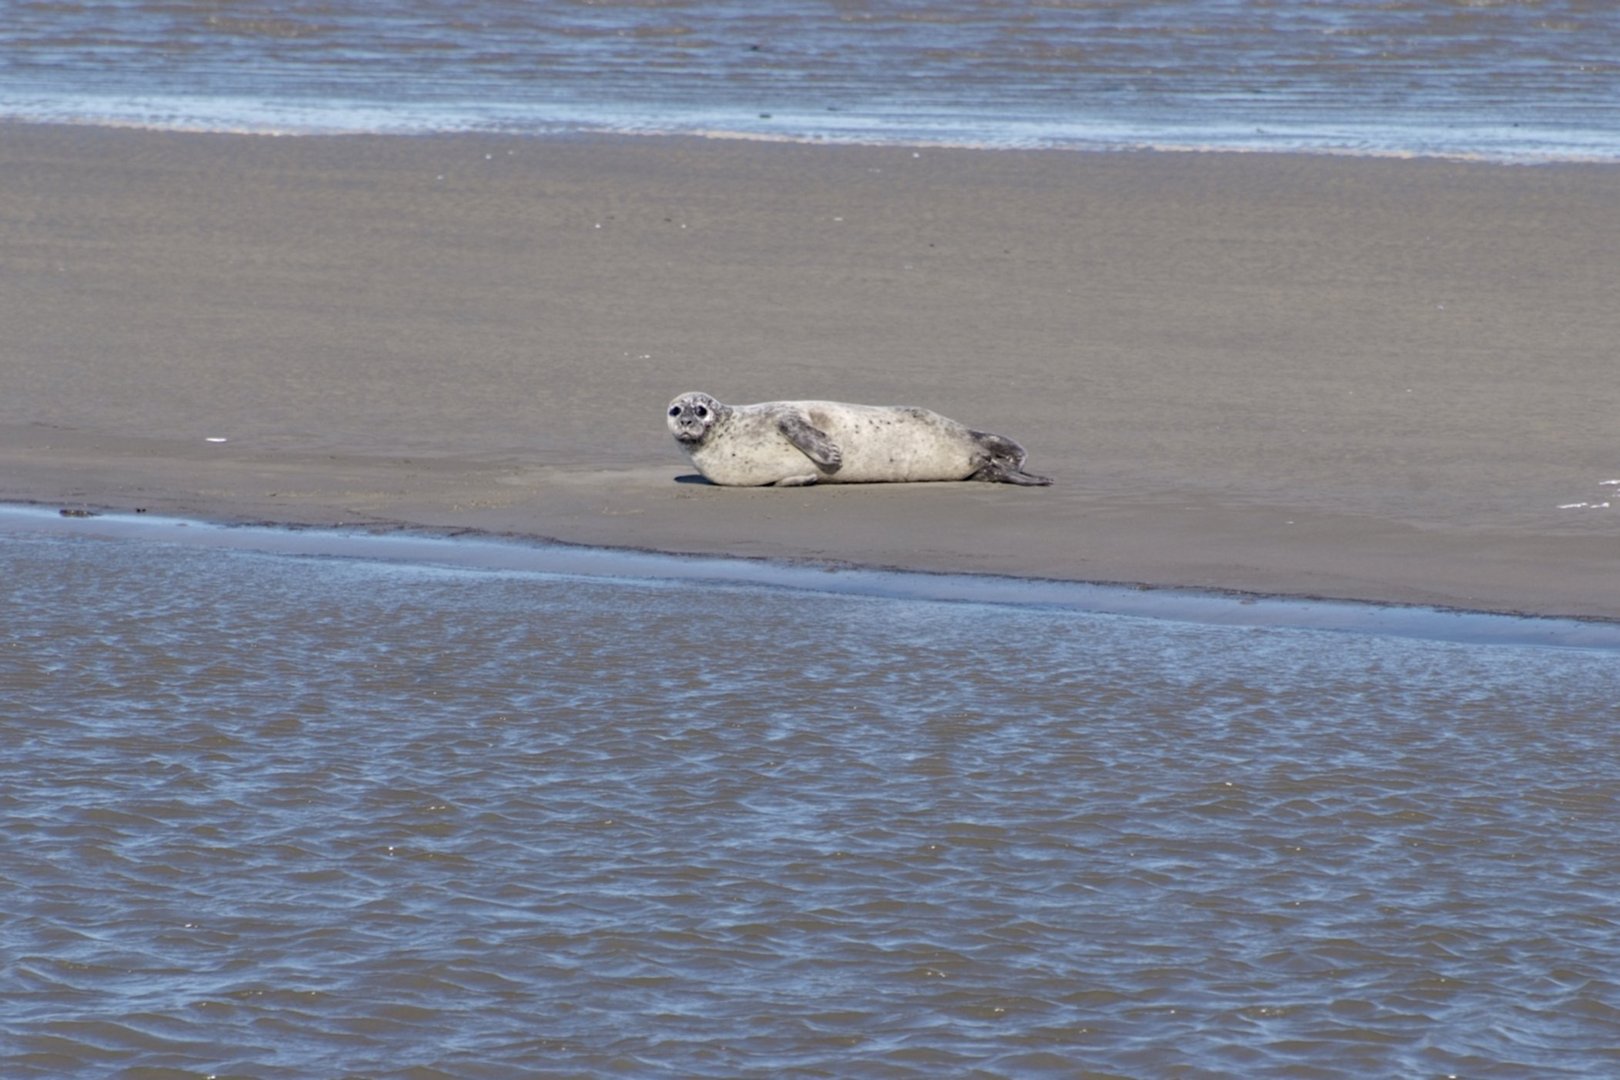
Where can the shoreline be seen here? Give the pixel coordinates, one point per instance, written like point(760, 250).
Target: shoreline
point(1368, 379)
point(582, 131)
point(476, 551)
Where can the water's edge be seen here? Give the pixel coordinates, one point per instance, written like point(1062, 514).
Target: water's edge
point(1100, 141)
point(475, 550)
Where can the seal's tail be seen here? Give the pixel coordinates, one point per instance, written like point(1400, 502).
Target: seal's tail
point(1006, 464)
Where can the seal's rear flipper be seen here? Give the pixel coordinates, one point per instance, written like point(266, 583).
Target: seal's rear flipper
point(995, 473)
point(1024, 479)
point(1006, 464)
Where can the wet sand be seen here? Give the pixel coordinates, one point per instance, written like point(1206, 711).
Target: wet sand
point(1356, 378)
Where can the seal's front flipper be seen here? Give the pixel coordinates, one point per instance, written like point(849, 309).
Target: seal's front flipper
point(811, 441)
point(798, 481)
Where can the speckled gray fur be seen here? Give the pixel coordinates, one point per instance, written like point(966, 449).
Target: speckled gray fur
point(796, 443)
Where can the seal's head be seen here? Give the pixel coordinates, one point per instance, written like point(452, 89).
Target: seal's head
point(691, 416)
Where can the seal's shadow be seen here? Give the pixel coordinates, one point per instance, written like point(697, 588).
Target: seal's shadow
point(692, 478)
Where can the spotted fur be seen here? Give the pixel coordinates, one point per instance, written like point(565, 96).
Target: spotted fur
point(796, 443)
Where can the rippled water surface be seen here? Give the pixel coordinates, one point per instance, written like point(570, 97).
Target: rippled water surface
point(283, 816)
point(1515, 79)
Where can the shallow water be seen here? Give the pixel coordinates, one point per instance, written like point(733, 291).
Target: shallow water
point(281, 816)
point(1494, 78)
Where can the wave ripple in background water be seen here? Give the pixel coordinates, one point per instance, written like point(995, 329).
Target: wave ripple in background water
point(1515, 81)
point(280, 816)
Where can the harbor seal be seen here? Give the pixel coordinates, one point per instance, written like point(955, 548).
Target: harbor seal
point(795, 443)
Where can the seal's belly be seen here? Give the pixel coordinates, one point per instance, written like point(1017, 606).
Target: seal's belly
point(761, 461)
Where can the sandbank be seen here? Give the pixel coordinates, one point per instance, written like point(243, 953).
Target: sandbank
point(1358, 378)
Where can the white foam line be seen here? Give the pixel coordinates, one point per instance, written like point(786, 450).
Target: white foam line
point(200, 116)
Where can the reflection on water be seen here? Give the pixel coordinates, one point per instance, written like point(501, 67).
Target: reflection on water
point(288, 816)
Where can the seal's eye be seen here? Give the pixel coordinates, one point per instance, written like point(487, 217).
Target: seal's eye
point(674, 410)
point(702, 412)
